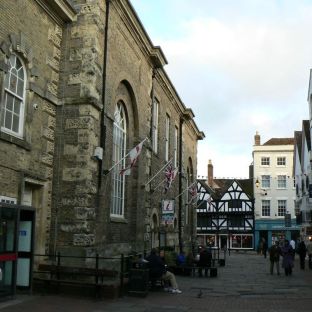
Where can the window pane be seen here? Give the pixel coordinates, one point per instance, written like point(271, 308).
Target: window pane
point(20, 87)
point(18, 64)
point(13, 83)
point(8, 120)
point(17, 106)
point(15, 123)
point(9, 102)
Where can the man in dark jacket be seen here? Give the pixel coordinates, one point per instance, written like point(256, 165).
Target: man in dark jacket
point(158, 271)
point(205, 258)
point(302, 252)
point(275, 252)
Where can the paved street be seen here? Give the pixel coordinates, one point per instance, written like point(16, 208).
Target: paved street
point(244, 284)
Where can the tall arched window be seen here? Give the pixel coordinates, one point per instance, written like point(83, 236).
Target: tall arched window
point(12, 120)
point(119, 152)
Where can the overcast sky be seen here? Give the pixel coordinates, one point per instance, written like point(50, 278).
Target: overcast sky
point(242, 66)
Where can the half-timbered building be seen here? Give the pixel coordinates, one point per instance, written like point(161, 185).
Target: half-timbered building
point(225, 213)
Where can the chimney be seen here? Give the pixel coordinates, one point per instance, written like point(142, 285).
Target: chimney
point(210, 173)
point(257, 138)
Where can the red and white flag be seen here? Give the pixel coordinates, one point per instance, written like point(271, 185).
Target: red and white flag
point(170, 175)
point(193, 191)
point(133, 155)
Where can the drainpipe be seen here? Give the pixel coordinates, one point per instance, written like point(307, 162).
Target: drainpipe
point(104, 75)
point(180, 186)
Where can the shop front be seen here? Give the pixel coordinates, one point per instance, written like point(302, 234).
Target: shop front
point(227, 241)
point(16, 247)
point(275, 230)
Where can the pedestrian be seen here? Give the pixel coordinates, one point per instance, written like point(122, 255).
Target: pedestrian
point(264, 247)
point(205, 259)
point(275, 252)
point(293, 245)
point(309, 249)
point(302, 252)
point(158, 269)
point(288, 258)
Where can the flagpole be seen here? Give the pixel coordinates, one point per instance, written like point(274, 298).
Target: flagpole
point(109, 170)
point(157, 173)
point(185, 190)
point(158, 185)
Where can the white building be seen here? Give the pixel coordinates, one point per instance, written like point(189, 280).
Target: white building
point(274, 190)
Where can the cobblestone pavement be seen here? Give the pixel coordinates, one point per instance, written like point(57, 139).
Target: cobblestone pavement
point(243, 284)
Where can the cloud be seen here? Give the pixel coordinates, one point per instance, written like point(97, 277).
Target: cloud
point(242, 66)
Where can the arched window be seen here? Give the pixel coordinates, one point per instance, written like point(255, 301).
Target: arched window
point(14, 97)
point(119, 153)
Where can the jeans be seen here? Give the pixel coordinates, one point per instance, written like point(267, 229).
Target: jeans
point(276, 263)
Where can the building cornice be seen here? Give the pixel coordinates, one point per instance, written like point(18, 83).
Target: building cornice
point(61, 11)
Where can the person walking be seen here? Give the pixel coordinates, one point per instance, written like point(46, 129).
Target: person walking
point(275, 252)
point(288, 258)
point(264, 247)
point(292, 243)
point(309, 250)
point(302, 252)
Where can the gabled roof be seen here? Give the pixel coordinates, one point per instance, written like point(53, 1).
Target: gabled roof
point(207, 188)
point(280, 141)
point(221, 186)
point(306, 129)
point(298, 142)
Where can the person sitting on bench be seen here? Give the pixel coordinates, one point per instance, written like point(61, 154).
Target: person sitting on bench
point(158, 271)
point(205, 258)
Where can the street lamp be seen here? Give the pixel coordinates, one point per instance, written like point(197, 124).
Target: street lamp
point(257, 183)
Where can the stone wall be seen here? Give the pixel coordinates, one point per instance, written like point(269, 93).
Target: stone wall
point(30, 32)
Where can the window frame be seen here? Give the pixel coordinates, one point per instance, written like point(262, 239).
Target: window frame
point(167, 137)
point(283, 162)
point(176, 144)
point(8, 200)
point(117, 209)
point(281, 209)
point(265, 208)
point(281, 183)
point(263, 180)
point(265, 161)
point(155, 117)
point(20, 76)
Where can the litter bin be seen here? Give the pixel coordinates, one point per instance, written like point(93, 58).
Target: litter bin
point(138, 280)
point(222, 262)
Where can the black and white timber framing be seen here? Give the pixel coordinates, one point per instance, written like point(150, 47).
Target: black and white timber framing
point(225, 213)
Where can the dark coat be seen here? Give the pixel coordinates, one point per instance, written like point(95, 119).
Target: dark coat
point(156, 266)
point(275, 252)
point(288, 256)
point(302, 249)
point(205, 258)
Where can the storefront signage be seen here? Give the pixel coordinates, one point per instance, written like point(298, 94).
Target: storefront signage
point(8, 257)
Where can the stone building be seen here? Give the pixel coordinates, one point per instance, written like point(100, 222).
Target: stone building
point(81, 85)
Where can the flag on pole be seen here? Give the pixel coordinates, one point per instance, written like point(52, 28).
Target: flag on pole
point(170, 175)
point(133, 155)
point(193, 191)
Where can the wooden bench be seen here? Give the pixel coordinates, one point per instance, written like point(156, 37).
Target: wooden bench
point(57, 275)
point(212, 271)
